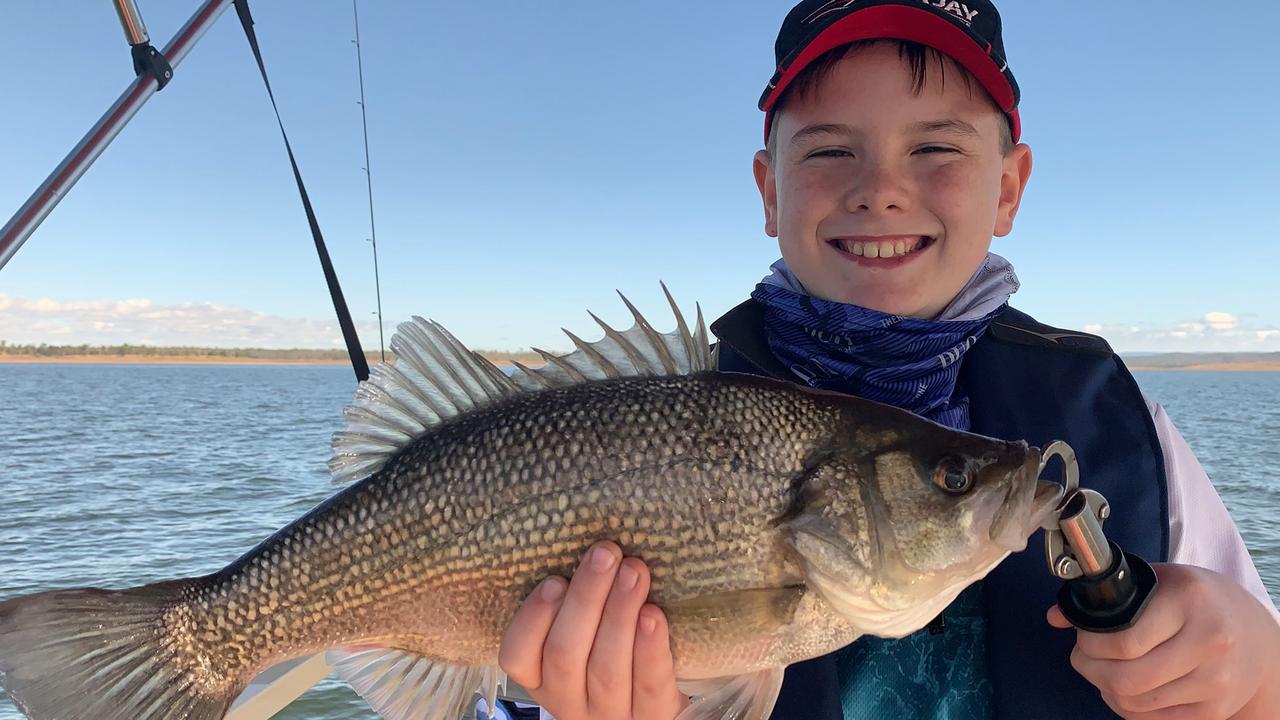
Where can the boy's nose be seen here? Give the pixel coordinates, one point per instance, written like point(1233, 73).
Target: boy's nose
point(879, 189)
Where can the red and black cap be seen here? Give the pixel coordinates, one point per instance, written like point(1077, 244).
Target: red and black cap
point(968, 32)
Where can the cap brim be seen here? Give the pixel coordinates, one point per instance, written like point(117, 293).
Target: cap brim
point(898, 22)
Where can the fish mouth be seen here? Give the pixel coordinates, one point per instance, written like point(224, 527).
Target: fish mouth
point(1048, 496)
point(1027, 504)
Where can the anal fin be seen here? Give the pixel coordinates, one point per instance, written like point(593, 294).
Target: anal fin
point(741, 697)
point(402, 685)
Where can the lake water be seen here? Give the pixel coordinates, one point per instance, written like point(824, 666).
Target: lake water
point(119, 475)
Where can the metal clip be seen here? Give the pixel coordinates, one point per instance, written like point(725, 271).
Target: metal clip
point(1058, 554)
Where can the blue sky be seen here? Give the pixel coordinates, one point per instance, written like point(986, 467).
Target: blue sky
point(529, 158)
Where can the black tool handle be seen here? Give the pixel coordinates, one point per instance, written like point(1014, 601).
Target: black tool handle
point(1112, 600)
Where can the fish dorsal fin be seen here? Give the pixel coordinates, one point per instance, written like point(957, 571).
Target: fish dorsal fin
point(638, 351)
point(402, 685)
point(435, 377)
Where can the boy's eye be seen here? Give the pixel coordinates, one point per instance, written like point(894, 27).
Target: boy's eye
point(831, 152)
point(932, 149)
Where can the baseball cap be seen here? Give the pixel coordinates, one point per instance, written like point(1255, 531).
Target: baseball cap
point(968, 32)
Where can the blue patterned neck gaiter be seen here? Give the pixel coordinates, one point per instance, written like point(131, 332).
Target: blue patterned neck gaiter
point(901, 361)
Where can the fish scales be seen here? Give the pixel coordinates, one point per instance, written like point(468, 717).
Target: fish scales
point(475, 505)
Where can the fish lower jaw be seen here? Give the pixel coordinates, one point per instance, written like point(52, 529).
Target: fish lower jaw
point(900, 614)
point(903, 622)
point(1013, 524)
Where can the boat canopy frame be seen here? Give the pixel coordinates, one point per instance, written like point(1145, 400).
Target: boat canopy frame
point(153, 70)
point(149, 80)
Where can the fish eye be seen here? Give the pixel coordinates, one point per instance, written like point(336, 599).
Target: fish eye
point(952, 476)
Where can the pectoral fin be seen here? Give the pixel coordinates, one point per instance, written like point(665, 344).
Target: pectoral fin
point(742, 697)
point(742, 613)
point(746, 612)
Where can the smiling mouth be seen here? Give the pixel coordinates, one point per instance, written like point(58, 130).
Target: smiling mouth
point(886, 247)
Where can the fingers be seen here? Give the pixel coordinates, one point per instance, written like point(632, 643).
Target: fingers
point(591, 648)
point(1181, 693)
point(1128, 644)
point(609, 668)
point(1057, 619)
point(1197, 711)
point(572, 634)
point(653, 691)
point(1159, 624)
point(1156, 680)
point(520, 655)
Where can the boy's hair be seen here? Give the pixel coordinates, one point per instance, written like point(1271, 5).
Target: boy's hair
point(916, 55)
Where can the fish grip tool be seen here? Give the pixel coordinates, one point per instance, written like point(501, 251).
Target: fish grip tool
point(1105, 589)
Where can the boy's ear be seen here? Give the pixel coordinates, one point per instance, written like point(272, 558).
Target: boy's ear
point(762, 166)
point(1013, 181)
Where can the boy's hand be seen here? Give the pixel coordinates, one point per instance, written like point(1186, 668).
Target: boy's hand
point(1204, 649)
point(595, 651)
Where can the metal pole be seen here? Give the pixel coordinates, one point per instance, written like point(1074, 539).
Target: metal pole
point(64, 177)
point(134, 31)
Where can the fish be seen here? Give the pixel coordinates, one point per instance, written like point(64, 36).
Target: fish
point(779, 523)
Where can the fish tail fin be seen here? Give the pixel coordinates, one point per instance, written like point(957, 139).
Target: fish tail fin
point(102, 654)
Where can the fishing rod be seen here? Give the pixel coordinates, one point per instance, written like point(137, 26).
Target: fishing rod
point(368, 173)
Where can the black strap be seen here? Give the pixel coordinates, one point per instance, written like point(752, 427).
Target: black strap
point(358, 361)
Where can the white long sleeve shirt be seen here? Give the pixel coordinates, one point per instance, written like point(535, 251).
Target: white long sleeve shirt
point(1201, 531)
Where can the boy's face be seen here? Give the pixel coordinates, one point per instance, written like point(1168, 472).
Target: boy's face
point(884, 198)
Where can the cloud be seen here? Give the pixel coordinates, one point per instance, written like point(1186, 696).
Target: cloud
point(26, 321)
point(1215, 331)
point(142, 322)
point(1221, 320)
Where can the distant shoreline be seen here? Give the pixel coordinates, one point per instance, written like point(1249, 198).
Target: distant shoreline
point(1216, 367)
point(156, 360)
point(140, 359)
point(188, 360)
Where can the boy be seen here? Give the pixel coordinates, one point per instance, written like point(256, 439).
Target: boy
point(891, 161)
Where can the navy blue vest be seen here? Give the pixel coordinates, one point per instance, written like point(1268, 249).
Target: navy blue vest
point(1025, 381)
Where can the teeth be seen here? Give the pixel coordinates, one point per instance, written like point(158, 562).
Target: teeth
point(882, 248)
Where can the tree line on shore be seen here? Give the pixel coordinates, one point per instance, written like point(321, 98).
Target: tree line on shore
point(53, 351)
point(46, 350)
